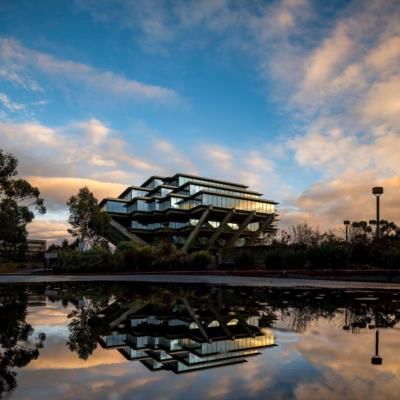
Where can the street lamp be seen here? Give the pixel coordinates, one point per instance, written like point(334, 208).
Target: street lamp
point(377, 191)
point(376, 359)
point(346, 224)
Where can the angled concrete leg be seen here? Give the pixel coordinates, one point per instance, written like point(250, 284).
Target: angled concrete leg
point(193, 315)
point(214, 237)
point(263, 225)
point(221, 321)
point(242, 227)
point(193, 234)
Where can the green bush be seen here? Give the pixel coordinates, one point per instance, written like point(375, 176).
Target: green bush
point(275, 259)
point(199, 260)
point(329, 255)
point(130, 257)
point(92, 261)
point(393, 258)
point(168, 258)
point(360, 253)
point(244, 260)
point(294, 258)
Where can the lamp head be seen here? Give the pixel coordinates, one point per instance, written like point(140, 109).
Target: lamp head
point(377, 190)
point(346, 222)
point(376, 360)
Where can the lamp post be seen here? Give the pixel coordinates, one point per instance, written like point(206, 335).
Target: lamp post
point(346, 224)
point(376, 359)
point(377, 191)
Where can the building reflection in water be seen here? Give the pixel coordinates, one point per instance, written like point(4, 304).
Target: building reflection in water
point(186, 335)
point(182, 328)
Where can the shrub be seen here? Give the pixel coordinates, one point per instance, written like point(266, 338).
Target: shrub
point(275, 259)
point(167, 257)
point(294, 258)
point(244, 260)
point(328, 255)
point(392, 259)
point(94, 260)
point(360, 253)
point(144, 258)
point(130, 257)
point(199, 260)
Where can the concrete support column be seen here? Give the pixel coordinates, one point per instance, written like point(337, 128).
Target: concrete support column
point(193, 234)
point(242, 227)
point(194, 317)
point(214, 237)
point(263, 225)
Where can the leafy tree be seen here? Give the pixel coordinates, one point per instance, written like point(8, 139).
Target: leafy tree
point(88, 223)
point(361, 232)
point(18, 198)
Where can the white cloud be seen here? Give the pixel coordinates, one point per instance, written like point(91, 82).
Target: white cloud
point(381, 103)
point(340, 81)
point(245, 166)
point(16, 60)
point(10, 105)
point(82, 149)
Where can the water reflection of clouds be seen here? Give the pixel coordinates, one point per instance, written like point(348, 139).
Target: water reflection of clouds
point(320, 362)
point(55, 355)
point(344, 361)
point(51, 314)
point(316, 366)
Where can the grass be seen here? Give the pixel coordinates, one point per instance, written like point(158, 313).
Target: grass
point(17, 267)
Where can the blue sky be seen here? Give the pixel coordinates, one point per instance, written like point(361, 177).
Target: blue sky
point(298, 98)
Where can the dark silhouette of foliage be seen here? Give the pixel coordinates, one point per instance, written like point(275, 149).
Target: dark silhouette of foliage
point(14, 337)
point(18, 199)
point(244, 260)
point(305, 247)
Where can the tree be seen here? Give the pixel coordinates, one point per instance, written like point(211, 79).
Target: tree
point(88, 223)
point(17, 200)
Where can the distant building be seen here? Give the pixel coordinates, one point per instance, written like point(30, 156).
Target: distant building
point(191, 211)
point(35, 248)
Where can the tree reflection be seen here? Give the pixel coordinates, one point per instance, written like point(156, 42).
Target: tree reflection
point(104, 309)
point(85, 325)
point(14, 337)
point(84, 330)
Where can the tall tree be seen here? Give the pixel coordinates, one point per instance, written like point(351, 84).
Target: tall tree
point(88, 223)
point(18, 199)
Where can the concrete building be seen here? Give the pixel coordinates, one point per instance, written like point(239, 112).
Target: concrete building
point(191, 211)
point(35, 248)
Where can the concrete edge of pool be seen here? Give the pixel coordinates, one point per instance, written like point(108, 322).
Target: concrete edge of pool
point(206, 279)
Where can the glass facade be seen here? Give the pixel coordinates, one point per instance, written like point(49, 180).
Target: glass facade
point(115, 207)
point(131, 194)
point(185, 179)
point(238, 204)
point(193, 189)
point(190, 192)
point(153, 183)
point(176, 203)
point(138, 205)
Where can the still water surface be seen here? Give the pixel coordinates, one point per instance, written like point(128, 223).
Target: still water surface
point(132, 340)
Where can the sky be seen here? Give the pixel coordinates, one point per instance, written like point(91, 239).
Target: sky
point(298, 99)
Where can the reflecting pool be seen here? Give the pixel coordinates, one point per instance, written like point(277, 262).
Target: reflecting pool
point(127, 340)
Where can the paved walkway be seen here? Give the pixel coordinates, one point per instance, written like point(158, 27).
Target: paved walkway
point(210, 279)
